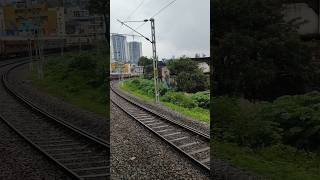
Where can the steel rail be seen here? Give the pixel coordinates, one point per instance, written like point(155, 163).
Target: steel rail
point(28, 104)
point(166, 119)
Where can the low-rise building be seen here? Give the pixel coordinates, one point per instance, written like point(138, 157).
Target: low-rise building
point(79, 23)
point(136, 70)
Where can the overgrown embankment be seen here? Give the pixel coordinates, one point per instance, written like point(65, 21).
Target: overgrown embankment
point(279, 139)
point(194, 105)
point(77, 78)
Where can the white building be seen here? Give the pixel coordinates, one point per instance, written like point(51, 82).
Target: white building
point(134, 52)
point(120, 48)
point(306, 13)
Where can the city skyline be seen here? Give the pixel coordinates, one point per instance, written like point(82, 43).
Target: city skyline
point(181, 29)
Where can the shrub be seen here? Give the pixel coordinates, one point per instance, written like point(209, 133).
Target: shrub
point(202, 99)
point(191, 81)
point(83, 63)
point(146, 86)
point(180, 99)
point(239, 121)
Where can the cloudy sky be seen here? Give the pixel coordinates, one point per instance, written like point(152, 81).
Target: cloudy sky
point(181, 29)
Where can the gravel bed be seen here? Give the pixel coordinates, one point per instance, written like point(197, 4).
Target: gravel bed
point(171, 114)
point(18, 159)
point(136, 153)
point(85, 120)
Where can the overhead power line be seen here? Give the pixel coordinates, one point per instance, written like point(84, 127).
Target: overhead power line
point(162, 9)
point(135, 30)
point(141, 3)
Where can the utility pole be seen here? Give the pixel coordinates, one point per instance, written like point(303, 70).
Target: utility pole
point(154, 52)
point(155, 60)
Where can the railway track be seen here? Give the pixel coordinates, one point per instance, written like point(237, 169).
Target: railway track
point(191, 143)
point(79, 154)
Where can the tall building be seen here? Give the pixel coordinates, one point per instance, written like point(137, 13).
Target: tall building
point(120, 50)
point(134, 51)
point(308, 13)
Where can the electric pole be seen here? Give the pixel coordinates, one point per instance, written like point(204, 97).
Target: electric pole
point(154, 53)
point(155, 60)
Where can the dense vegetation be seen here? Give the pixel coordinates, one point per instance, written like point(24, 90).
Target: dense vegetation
point(185, 74)
point(257, 54)
point(188, 76)
point(266, 114)
point(79, 79)
point(280, 137)
point(194, 105)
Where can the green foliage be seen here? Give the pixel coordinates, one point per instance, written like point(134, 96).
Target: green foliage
point(82, 63)
point(291, 120)
point(188, 76)
point(191, 81)
point(238, 121)
point(257, 54)
point(179, 98)
point(299, 117)
point(183, 64)
point(80, 79)
point(146, 86)
point(202, 99)
point(148, 67)
point(135, 87)
point(277, 162)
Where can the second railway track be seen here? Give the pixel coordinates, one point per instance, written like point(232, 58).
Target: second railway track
point(191, 143)
point(79, 154)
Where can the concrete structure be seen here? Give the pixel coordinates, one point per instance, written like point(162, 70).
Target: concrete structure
point(134, 52)
point(120, 49)
point(24, 18)
point(120, 68)
point(81, 25)
point(306, 13)
point(61, 25)
point(165, 75)
point(136, 70)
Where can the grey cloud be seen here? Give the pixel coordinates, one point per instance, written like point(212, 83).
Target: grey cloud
point(183, 28)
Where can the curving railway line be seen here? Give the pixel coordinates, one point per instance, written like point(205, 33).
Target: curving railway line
point(191, 143)
point(79, 154)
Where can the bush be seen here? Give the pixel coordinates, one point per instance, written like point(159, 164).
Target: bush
point(239, 121)
point(191, 81)
point(146, 86)
point(83, 63)
point(202, 99)
point(180, 99)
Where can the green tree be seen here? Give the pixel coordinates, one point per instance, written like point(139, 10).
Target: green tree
point(188, 76)
point(191, 81)
point(147, 67)
point(256, 53)
point(101, 7)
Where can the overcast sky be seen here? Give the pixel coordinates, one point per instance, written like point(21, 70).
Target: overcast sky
point(181, 29)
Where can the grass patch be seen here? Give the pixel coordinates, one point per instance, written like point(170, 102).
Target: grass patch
point(147, 95)
point(77, 79)
point(276, 162)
